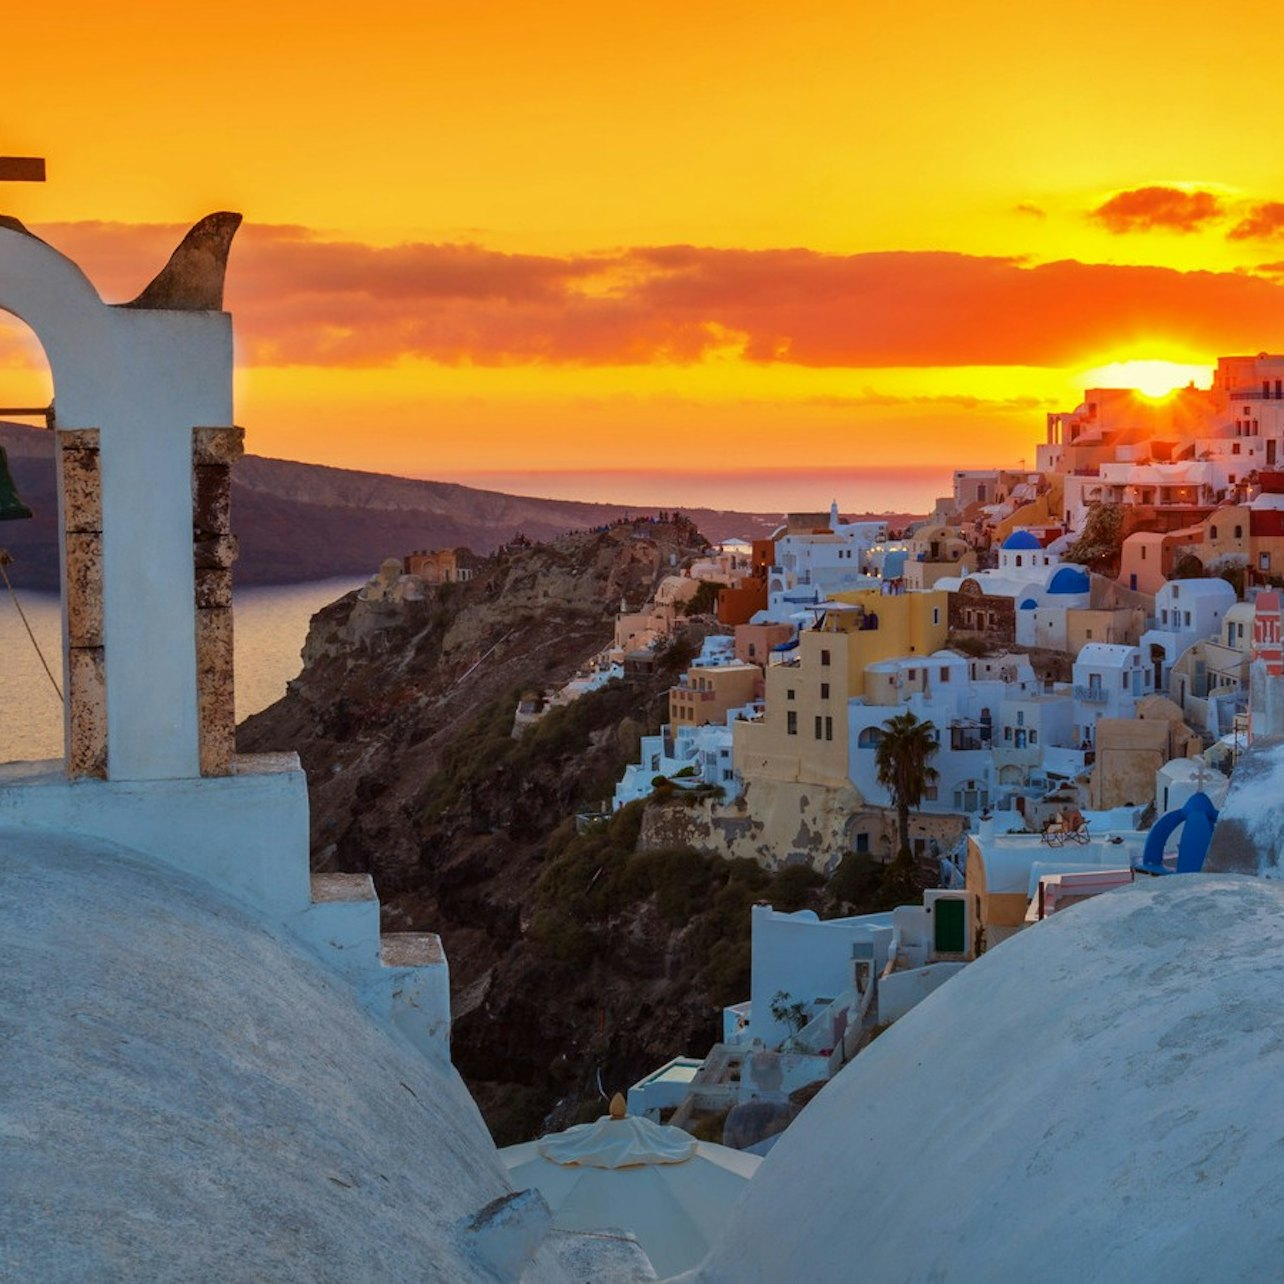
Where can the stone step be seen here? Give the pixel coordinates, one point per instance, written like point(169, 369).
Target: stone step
point(411, 949)
point(413, 990)
point(328, 888)
point(342, 922)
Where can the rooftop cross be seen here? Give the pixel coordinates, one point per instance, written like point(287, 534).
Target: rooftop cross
point(22, 169)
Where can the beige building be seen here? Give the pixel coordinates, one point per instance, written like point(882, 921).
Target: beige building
point(1122, 625)
point(1215, 672)
point(755, 642)
point(936, 552)
point(709, 693)
point(1130, 751)
point(803, 733)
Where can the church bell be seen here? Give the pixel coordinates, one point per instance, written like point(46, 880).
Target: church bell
point(11, 506)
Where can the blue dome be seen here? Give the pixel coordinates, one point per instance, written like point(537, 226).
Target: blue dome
point(1029, 604)
point(1021, 541)
point(1069, 579)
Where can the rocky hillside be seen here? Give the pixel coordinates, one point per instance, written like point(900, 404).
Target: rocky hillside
point(403, 717)
point(578, 955)
point(306, 522)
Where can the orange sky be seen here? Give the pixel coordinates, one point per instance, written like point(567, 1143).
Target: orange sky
point(524, 242)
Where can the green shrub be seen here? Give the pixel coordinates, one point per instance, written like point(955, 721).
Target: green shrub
point(790, 889)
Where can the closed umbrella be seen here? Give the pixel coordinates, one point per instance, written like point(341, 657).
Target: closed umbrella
point(623, 1172)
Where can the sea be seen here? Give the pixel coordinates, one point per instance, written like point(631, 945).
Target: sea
point(271, 625)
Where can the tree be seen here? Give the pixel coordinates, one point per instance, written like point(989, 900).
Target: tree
point(1101, 541)
point(903, 770)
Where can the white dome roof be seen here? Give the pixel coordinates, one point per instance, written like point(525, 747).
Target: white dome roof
point(186, 1095)
point(1090, 1100)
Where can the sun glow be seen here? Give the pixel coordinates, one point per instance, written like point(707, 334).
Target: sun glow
point(1153, 379)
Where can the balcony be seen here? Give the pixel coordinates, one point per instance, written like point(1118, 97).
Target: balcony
point(1091, 695)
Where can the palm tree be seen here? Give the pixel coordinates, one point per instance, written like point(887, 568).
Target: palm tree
point(902, 761)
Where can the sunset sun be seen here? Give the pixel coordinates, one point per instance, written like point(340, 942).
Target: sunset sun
point(1154, 379)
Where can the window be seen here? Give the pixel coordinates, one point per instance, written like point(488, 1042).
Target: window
point(1239, 532)
point(728, 774)
point(1088, 634)
point(868, 738)
point(936, 615)
point(752, 650)
point(1263, 561)
point(824, 658)
point(829, 728)
point(1212, 532)
point(1034, 736)
point(929, 794)
point(1020, 717)
point(862, 843)
point(1187, 617)
point(824, 690)
point(789, 694)
point(791, 723)
point(945, 675)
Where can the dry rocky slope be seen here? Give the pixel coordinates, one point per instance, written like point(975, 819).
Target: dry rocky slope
point(570, 954)
point(306, 522)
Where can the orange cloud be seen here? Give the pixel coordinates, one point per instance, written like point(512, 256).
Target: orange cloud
point(301, 300)
point(1169, 208)
point(1262, 222)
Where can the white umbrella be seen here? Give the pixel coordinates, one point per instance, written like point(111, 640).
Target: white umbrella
point(622, 1172)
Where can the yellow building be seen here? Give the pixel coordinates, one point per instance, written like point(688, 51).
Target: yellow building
point(708, 694)
point(802, 735)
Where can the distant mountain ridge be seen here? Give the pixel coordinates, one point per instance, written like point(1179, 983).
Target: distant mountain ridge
point(299, 521)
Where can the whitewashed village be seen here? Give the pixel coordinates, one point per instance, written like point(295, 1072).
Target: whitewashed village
point(1052, 708)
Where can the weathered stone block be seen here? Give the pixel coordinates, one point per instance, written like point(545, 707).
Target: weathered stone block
point(213, 589)
point(217, 445)
point(82, 495)
point(215, 691)
point(84, 581)
point(87, 705)
point(215, 553)
point(78, 438)
point(211, 500)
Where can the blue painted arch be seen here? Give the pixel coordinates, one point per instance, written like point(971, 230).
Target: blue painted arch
point(1197, 816)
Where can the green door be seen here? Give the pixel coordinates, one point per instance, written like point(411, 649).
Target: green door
point(951, 920)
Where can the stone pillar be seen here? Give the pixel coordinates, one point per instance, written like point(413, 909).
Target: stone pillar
point(214, 451)
point(80, 481)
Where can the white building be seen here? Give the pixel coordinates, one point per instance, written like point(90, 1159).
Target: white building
point(963, 699)
point(811, 565)
point(801, 959)
point(1186, 611)
point(703, 752)
point(1109, 679)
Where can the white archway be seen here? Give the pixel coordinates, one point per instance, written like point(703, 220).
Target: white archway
point(133, 382)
